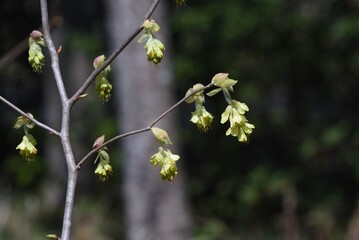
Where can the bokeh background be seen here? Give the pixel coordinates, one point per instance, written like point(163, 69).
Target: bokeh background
point(297, 66)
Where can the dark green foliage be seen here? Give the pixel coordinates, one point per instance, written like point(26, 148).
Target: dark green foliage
point(298, 71)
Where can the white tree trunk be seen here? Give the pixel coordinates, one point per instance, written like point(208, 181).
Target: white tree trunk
point(153, 209)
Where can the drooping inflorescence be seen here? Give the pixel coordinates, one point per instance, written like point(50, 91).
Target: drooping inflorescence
point(36, 57)
point(104, 169)
point(102, 86)
point(154, 47)
point(27, 147)
point(164, 157)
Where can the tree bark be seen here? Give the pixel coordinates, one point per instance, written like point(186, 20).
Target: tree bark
point(153, 209)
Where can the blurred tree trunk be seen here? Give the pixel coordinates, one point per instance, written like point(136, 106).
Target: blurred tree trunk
point(153, 209)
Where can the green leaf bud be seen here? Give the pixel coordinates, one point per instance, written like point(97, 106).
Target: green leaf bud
point(98, 61)
point(98, 142)
point(150, 26)
point(197, 96)
point(24, 121)
point(53, 236)
point(224, 83)
point(161, 135)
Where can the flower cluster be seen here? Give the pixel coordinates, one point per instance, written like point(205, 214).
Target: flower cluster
point(27, 147)
point(201, 117)
point(239, 126)
point(102, 85)
point(164, 157)
point(167, 161)
point(36, 57)
point(104, 169)
point(154, 47)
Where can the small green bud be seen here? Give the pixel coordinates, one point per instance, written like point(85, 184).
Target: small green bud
point(150, 26)
point(197, 96)
point(53, 236)
point(36, 37)
point(24, 121)
point(161, 135)
point(224, 83)
point(98, 142)
point(98, 61)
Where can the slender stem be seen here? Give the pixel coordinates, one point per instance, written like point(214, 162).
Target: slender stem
point(141, 130)
point(89, 154)
point(178, 103)
point(64, 134)
point(40, 124)
point(112, 57)
point(53, 52)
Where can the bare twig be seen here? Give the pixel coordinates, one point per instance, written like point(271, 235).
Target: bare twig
point(112, 57)
point(38, 123)
point(64, 134)
point(141, 130)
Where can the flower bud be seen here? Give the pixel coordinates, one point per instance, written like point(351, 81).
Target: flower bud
point(161, 135)
point(150, 26)
point(197, 96)
point(98, 61)
point(24, 121)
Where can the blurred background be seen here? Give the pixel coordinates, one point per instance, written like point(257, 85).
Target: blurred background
point(297, 66)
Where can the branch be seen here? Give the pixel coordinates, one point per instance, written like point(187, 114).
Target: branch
point(40, 124)
point(53, 53)
point(65, 123)
point(112, 57)
point(141, 130)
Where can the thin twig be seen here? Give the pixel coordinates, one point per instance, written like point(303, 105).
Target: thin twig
point(112, 57)
point(65, 123)
point(38, 123)
point(141, 130)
